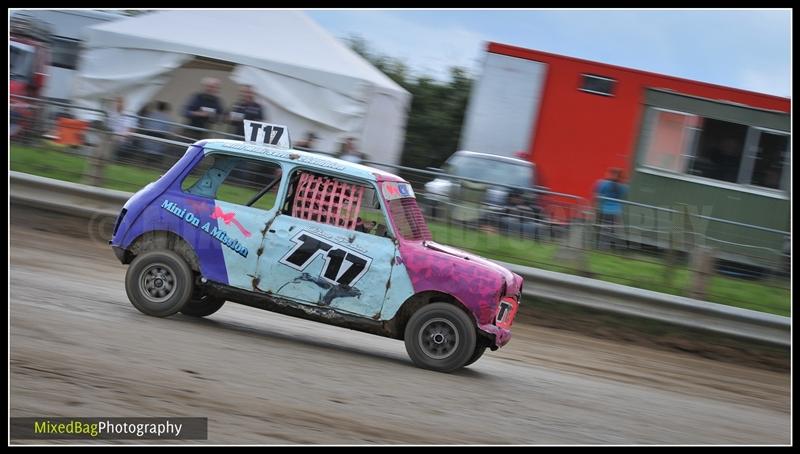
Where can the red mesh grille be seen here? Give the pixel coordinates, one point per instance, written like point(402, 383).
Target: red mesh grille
point(327, 200)
point(408, 219)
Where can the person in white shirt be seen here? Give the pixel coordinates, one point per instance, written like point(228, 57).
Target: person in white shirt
point(121, 124)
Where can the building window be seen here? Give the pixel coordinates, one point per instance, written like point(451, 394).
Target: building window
point(771, 156)
point(673, 135)
point(598, 85)
point(720, 150)
point(65, 53)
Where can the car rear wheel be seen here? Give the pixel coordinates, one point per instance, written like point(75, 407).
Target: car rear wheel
point(159, 283)
point(440, 337)
point(202, 306)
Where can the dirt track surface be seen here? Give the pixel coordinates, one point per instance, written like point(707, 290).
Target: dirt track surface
point(78, 348)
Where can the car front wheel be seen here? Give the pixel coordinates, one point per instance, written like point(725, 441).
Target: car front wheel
point(440, 337)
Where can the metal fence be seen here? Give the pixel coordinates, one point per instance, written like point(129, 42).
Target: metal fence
point(530, 226)
point(563, 232)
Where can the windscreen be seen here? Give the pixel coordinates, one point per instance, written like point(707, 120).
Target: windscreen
point(406, 216)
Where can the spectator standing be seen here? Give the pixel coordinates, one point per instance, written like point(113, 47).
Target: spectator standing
point(108, 139)
point(521, 216)
point(607, 193)
point(204, 108)
point(349, 152)
point(154, 125)
point(245, 108)
point(309, 142)
point(121, 124)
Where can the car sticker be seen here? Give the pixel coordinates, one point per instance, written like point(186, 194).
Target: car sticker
point(216, 232)
point(267, 134)
point(393, 190)
point(229, 217)
point(343, 265)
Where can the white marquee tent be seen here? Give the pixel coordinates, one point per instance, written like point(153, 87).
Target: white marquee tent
point(305, 77)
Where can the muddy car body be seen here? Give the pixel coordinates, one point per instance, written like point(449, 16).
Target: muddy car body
point(313, 237)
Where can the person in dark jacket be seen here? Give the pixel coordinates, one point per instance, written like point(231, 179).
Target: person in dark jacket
point(521, 217)
point(204, 108)
point(246, 108)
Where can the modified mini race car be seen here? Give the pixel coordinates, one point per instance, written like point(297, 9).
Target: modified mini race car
point(261, 224)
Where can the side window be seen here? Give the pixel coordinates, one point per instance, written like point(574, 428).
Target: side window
point(370, 217)
point(236, 180)
point(334, 201)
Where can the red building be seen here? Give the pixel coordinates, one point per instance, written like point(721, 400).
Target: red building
point(574, 117)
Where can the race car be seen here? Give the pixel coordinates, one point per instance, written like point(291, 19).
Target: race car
point(261, 224)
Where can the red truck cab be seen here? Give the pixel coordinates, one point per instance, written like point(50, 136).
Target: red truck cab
point(29, 57)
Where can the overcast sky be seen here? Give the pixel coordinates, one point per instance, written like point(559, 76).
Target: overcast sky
point(748, 49)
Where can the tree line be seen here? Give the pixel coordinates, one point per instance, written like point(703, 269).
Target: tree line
point(433, 127)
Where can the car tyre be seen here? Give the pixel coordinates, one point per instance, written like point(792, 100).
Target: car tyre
point(159, 283)
point(440, 337)
point(476, 355)
point(202, 306)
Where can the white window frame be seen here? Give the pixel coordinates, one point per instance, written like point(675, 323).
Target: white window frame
point(753, 133)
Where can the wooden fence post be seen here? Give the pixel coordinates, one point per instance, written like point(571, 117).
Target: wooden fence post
point(671, 258)
point(98, 158)
point(573, 247)
point(702, 268)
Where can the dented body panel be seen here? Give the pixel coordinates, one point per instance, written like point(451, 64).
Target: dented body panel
point(332, 273)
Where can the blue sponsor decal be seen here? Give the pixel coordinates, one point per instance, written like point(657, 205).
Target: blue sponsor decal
point(193, 220)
